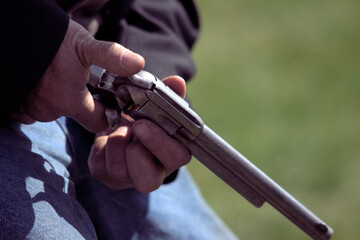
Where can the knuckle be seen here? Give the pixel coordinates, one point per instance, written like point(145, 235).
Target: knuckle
point(179, 157)
point(150, 181)
point(118, 174)
point(185, 156)
point(147, 186)
point(97, 173)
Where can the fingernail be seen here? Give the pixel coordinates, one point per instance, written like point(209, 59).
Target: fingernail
point(129, 60)
point(141, 129)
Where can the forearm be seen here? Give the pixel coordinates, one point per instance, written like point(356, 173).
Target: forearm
point(31, 35)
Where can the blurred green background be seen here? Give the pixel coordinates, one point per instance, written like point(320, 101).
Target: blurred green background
point(279, 80)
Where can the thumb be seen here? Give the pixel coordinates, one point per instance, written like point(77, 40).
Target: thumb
point(113, 57)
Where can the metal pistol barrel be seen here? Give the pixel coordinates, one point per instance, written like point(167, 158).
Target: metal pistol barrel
point(243, 176)
point(161, 105)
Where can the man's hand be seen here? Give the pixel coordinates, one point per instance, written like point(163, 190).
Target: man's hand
point(62, 90)
point(138, 154)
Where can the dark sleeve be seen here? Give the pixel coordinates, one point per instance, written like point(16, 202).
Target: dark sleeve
point(162, 31)
point(31, 33)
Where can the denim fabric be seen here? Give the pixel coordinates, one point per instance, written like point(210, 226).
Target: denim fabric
point(48, 193)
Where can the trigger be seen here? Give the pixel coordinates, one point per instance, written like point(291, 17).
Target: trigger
point(113, 117)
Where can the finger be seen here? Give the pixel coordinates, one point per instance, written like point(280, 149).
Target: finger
point(96, 160)
point(116, 165)
point(177, 84)
point(171, 153)
point(145, 172)
point(113, 57)
point(90, 113)
point(97, 165)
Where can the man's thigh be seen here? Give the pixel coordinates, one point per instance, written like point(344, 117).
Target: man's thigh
point(36, 197)
point(176, 210)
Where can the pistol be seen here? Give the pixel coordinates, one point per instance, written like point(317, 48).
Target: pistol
point(145, 96)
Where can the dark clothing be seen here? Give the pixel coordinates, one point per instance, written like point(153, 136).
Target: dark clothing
point(162, 31)
point(30, 37)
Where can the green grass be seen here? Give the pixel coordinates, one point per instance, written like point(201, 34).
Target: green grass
point(280, 81)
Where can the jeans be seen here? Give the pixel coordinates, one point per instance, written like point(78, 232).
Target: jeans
point(47, 192)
